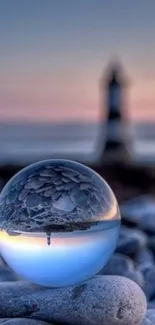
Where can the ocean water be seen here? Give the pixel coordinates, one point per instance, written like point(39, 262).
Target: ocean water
point(31, 142)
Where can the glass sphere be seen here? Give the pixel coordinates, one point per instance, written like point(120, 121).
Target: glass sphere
point(59, 223)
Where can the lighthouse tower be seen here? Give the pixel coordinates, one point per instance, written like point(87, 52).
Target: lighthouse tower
point(116, 147)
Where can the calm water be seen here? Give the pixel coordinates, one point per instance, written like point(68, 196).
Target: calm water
point(26, 142)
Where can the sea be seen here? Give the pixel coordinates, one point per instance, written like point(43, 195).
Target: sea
point(30, 142)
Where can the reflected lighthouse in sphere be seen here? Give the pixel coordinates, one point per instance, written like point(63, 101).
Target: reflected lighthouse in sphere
point(59, 223)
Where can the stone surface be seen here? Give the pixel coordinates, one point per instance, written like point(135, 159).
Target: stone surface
point(144, 258)
point(149, 277)
point(120, 264)
point(102, 300)
point(136, 276)
point(130, 241)
point(151, 243)
point(22, 321)
point(151, 304)
point(140, 211)
point(149, 317)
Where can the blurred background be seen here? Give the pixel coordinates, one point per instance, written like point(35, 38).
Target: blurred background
point(77, 81)
point(58, 62)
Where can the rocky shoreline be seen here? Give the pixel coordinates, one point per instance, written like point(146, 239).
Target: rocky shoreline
point(123, 293)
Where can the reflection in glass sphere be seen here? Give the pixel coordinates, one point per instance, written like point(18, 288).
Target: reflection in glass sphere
point(59, 223)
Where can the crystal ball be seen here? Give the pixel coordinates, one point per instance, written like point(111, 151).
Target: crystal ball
point(59, 223)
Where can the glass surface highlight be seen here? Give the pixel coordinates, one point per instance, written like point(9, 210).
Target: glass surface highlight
point(59, 223)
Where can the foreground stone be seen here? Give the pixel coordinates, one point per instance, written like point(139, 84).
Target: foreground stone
point(21, 321)
point(140, 211)
point(103, 300)
point(149, 317)
point(120, 264)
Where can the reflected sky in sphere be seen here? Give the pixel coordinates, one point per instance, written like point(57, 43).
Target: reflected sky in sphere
point(59, 223)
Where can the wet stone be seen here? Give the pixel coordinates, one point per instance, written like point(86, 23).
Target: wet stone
point(149, 277)
point(12, 196)
point(19, 186)
point(85, 186)
point(149, 318)
point(151, 304)
point(46, 201)
point(35, 184)
point(60, 187)
point(23, 194)
point(57, 181)
point(78, 197)
point(137, 277)
point(85, 178)
point(71, 170)
point(49, 193)
point(124, 266)
point(151, 243)
point(64, 203)
point(71, 176)
point(140, 211)
point(65, 180)
point(55, 196)
point(144, 258)
point(48, 172)
point(33, 200)
point(97, 197)
point(118, 265)
point(69, 186)
point(130, 241)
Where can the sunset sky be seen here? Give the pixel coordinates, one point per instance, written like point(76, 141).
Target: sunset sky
point(53, 53)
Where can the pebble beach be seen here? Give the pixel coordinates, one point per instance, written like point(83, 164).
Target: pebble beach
point(123, 293)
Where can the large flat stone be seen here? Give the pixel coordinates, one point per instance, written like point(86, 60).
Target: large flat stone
point(103, 300)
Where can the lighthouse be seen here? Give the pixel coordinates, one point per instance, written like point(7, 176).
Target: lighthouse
point(116, 148)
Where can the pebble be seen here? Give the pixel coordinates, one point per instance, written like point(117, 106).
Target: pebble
point(22, 321)
point(131, 241)
point(151, 304)
point(149, 317)
point(137, 277)
point(149, 277)
point(120, 264)
point(103, 300)
point(140, 211)
point(151, 243)
point(144, 258)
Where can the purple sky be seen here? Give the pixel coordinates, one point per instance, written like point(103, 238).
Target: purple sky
point(54, 52)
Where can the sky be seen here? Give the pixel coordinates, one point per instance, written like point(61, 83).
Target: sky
point(54, 52)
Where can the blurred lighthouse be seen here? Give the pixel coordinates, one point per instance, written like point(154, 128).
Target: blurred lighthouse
point(117, 138)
